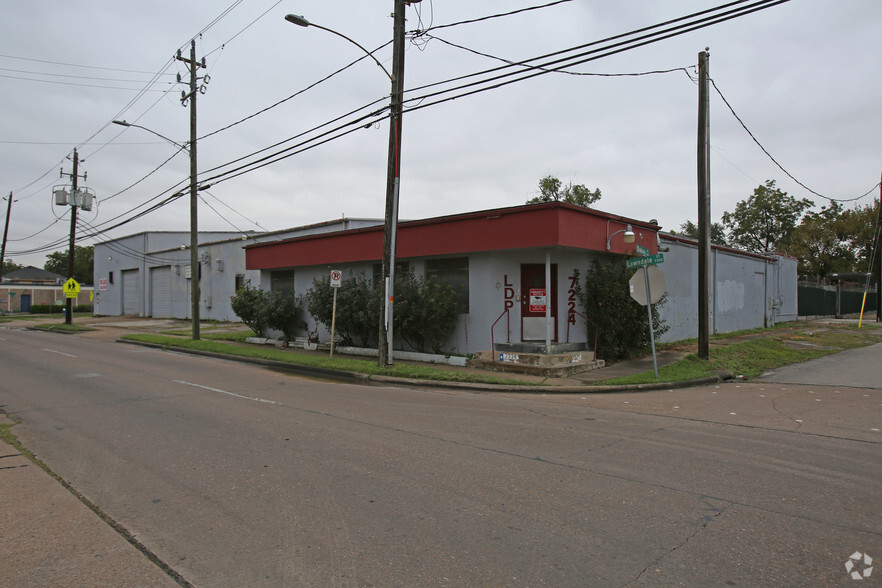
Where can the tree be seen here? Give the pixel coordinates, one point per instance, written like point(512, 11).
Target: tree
point(765, 221)
point(717, 236)
point(9, 266)
point(859, 224)
point(822, 243)
point(84, 262)
point(551, 189)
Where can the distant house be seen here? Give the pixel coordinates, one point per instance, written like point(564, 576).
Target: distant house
point(33, 275)
point(28, 286)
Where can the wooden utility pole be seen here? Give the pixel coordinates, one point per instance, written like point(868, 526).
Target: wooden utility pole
point(386, 342)
point(5, 233)
point(704, 208)
point(68, 302)
point(879, 257)
point(190, 96)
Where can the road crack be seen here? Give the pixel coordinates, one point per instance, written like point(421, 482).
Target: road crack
point(706, 520)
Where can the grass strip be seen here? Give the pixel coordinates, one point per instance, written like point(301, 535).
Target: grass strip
point(750, 358)
point(398, 370)
point(62, 327)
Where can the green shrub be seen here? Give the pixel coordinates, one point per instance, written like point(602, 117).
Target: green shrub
point(425, 312)
point(58, 308)
point(284, 310)
point(358, 308)
point(251, 304)
point(622, 323)
point(47, 308)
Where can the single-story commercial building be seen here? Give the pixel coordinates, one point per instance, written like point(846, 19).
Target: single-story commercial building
point(520, 259)
point(524, 259)
point(148, 274)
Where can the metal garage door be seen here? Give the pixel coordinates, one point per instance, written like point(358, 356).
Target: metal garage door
point(131, 303)
point(160, 292)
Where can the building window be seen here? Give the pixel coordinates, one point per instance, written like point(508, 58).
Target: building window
point(110, 277)
point(240, 282)
point(401, 268)
point(282, 281)
point(453, 272)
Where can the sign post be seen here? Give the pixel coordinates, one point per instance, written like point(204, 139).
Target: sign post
point(336, 280)
point(658, 280)
point(651, 326)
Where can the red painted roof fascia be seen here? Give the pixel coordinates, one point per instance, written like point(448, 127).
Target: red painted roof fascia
point(522, 227)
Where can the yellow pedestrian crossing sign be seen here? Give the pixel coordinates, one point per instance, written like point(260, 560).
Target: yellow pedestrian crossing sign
point(71, 288)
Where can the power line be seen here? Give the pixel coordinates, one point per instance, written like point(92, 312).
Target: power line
point(561, 71)
point(74, 84)
point(359, 121)
point(294, 95)
point(592, 51)
point(58, 75)
point(243, 29)
point(553, 66)
point(492, 16)
point(78, 65)
point(775, 161)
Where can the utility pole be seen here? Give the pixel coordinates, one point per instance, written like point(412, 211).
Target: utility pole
point(704, 208)
point(5, 233)
point(386, 341)
point(68, 302)
point(195, 272)
point(879, 257)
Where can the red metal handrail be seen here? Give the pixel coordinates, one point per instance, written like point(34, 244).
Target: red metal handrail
point(507, 332)
point(587, 320)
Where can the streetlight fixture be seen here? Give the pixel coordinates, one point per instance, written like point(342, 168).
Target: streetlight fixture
point(628, 236)
point(123, 123)
point(194, 232)
point(390, 225)
point(302, 22)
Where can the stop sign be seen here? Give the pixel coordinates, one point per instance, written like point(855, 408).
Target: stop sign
point(657, 285)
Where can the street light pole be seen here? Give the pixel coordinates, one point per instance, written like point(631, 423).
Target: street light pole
point(390, 226)
point(194, 230)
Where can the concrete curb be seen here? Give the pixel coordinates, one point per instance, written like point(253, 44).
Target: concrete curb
point(353, 377)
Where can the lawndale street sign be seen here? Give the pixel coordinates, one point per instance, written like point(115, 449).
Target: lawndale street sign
point(644, 261)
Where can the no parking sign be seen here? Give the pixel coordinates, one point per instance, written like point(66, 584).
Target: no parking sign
point(336, 278)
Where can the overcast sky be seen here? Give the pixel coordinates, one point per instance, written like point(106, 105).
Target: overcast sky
point(804, 76)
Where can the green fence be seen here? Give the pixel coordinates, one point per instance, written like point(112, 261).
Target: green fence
point(815, 300)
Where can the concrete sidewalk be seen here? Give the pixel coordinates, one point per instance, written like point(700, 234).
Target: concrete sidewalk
point(48, 537)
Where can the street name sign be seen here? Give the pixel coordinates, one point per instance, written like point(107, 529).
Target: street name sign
point(644, 261)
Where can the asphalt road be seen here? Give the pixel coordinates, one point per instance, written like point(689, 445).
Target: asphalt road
point(235, 475)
